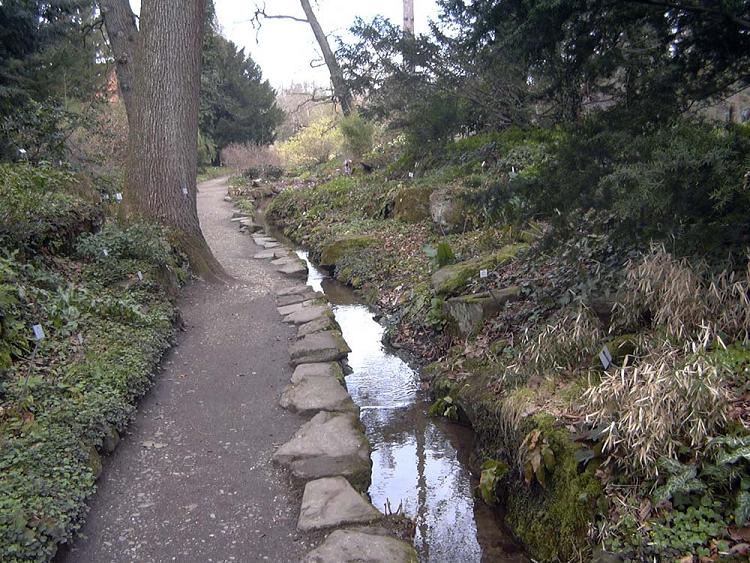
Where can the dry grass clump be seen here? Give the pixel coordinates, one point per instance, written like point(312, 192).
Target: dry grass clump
point(675, 395)
point(657, 406)
point(680, 299)
point(241, 156)
point(560, 349)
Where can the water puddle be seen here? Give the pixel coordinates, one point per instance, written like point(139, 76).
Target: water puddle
point(419, 464)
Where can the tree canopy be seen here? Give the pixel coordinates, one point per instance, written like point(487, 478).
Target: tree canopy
point(237, 105)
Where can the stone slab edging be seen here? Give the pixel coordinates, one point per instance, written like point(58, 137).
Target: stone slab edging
point(330, 452)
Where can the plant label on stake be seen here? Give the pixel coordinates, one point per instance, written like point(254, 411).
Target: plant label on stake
point(38, 333)
point(105, 252)
point(605, 357)
point(140, 276)
point(483, 274)
point(118, 197)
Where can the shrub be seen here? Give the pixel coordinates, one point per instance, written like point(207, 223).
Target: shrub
point(358, 135)
point(686, 178)
point(206, 151)
point(139, 241)
point(44, 206)
point(243, 156)
point(315, 144)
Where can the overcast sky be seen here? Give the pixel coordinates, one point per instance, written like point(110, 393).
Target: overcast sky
point(284, 49)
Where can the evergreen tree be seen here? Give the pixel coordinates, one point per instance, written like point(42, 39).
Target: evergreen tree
point(237, 105)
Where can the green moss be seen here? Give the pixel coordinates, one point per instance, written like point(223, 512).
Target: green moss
point(412, 205)
point(735, 360)
point(623, 348)
point(553, 523)
point(450, 279)
point(334, 251)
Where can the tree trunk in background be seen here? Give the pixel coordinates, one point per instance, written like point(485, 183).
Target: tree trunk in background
point(409, 18)
point(162, 147)
point(340, 89)
point(123, 33)
point(409, 36)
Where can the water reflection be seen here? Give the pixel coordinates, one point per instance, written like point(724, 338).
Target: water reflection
point(415, 463)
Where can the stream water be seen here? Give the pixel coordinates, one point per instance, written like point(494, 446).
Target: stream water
point(419, 464)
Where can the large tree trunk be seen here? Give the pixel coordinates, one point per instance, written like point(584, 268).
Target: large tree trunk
point(340, 89)
point(162, 147)
point(123, 33)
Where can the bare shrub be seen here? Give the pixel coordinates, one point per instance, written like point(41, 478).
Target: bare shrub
point(676, 394)
point(242, 156)
point(679, 298)
point(560, 348)
point(655, 407)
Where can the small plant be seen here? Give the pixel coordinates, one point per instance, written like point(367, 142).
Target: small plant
point(537, 458)
point(440, 255)
point(493, 471)
point(446, 407)
point(689, 531)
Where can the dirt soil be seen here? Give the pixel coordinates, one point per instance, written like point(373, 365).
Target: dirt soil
point(192, 480)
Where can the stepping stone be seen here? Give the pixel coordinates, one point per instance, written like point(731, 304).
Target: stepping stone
point(284, 260)
point(269, 245)
point(249, 225)
point(319, 347)
point(293, 308)
point(321, 324)
point(332, 501)
point(293, 290)
point(329, 445)
point(296, 270)
point(299, 298)
point(322, 369)
point(312, 394)
point(309, 314)
point(265, 255)
point(263, 238)
point(237, 215)
point(372, 545)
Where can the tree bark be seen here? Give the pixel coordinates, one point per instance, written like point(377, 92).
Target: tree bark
point(162, 145)
point(340, 89)
point(409, 18)
point(119, 21)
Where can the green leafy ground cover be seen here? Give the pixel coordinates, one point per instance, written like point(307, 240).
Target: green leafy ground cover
point(67, 267)
point(590, 460)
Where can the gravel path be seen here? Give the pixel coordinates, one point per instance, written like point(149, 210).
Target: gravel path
point(192, 479)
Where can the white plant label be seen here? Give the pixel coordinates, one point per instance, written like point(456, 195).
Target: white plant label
point(483, 273)
point(38, 332)
point(105, 252)
point(605, 357)
point(140, 276)
point(184, 190)
point(118, 196)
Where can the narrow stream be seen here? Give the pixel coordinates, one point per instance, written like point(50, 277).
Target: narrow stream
point(418, 464)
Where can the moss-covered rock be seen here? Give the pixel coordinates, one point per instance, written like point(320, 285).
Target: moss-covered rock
point(336, 250)
point(623, 348)
point(468, 313)
point(449, 279)
point(551, 521)
point(412, 204)
point(448, 210)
